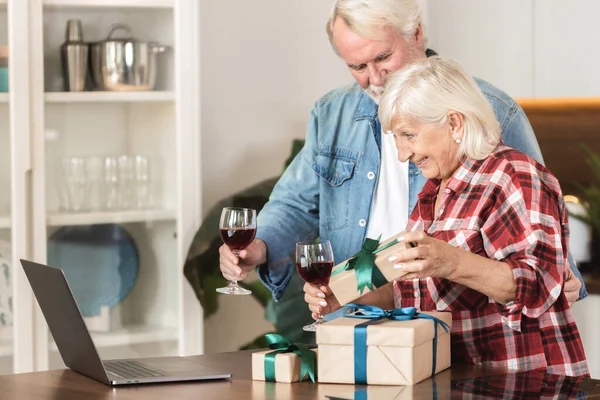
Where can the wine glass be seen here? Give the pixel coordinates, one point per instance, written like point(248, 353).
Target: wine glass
point(314, 262)
point(237, 228)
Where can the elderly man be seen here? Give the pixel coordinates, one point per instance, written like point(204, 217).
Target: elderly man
point(347, 184)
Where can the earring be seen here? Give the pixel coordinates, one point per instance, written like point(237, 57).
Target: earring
point(458, 141)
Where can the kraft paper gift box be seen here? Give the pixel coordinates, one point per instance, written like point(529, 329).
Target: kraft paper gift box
point(397, 352)
point(439, 388)
point(344, 282)
point(287, 367)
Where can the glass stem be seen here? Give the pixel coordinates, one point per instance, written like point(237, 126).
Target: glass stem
point(234, 282)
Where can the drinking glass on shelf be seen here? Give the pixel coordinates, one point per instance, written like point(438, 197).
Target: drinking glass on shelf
point(314, 262)
point(111, 200)
point(126, 181)
point(76, 184)
point(95, 176)
point(143, 183)
point(238, 229)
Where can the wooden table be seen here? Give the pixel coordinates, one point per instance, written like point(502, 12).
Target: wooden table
point(453, 383)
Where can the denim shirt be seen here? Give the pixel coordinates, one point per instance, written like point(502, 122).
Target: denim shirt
point(328, 188)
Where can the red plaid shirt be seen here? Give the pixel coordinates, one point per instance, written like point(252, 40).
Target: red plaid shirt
point(507, 207)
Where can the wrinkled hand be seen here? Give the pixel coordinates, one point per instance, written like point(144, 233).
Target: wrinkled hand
point(431, 257)
point(237, 268)
point(320, 300)
point(572, 286)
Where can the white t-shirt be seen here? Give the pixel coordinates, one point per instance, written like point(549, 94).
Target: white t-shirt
point(389, 210)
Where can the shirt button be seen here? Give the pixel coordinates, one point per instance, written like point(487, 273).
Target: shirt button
point(362, 222)
point(441, 210)
point(417, 294)
point(371, 175)
point(447, 190)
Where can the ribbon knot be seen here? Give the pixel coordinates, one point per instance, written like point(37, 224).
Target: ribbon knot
point(281, 345)
point(375, 314)
point(367, 273)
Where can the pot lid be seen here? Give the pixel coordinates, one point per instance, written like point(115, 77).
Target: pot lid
point(119, 27)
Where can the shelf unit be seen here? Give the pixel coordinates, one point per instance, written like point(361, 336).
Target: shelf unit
point(110, 217)
point(109, 3)
point(163, 125)
point(109, 97)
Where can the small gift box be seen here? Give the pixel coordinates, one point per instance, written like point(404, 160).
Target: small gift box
point(285, 362)
point(374, 346)
point(366, 270)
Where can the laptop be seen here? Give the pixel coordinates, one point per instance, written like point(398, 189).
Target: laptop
point(77, 349)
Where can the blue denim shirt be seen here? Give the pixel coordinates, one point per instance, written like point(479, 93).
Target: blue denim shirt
point(328, 188)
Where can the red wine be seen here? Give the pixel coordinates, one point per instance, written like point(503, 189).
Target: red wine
point(316, 273)
point(238, 239)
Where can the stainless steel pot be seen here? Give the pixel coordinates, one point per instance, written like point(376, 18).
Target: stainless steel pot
point(124, 64)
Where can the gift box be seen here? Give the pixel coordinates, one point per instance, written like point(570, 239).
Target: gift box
point(366, 270)
point(396, 347)
point(285, 362)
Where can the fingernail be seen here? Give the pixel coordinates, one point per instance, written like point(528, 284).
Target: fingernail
point(323, 303)
point(398, 266)
point(401, 239)
point(392, 258)
point(321, 295)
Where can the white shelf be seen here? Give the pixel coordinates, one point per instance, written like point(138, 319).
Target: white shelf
point(108, 97)
point(109, 217)
point(109, 3)
point(3, 96)
point(130, 335)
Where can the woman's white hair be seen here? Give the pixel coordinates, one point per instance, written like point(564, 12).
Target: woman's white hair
point(364, 17)
point(425, 91)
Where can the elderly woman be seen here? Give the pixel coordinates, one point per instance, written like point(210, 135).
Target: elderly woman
point(490, 224)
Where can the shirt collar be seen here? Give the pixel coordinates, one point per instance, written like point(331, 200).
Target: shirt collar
point(458, 182)
point(366, 108)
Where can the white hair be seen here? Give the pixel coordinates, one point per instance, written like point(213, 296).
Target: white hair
point(425, 91)
point(364, 17)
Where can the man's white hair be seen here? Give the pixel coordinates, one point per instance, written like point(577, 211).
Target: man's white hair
point(426, 90)
point(364, 17)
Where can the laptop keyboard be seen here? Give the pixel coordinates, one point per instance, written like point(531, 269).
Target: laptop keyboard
point(130, 369)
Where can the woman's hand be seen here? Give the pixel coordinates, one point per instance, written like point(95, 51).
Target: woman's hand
point(435, 258)
point(320, 300)
point(430, 258)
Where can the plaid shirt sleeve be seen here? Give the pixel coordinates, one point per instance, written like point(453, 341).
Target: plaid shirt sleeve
point(527, 229)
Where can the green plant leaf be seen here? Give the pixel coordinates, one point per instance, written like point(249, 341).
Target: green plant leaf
point(591, 192)
point(259, 291)
point(258, 343)
point(210, 297)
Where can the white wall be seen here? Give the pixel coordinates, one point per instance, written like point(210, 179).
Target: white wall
point(264, 64)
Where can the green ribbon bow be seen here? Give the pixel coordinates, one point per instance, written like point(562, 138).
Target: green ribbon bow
point(363, 264)
point(280, 344)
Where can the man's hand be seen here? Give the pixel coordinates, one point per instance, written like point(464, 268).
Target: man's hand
point(572, 286)
point(320, 301)
point(236, 268)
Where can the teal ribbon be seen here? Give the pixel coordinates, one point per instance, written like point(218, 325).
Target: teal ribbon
point(281, 345)
point(367, 273)
point(375, 314)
